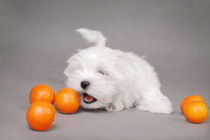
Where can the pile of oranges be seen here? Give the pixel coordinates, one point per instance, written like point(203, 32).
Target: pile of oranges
point(41, 113)
point(194, 109)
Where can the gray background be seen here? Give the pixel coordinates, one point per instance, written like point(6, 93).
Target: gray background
point(37, 36)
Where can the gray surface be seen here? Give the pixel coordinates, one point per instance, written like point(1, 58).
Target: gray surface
point(37, 36)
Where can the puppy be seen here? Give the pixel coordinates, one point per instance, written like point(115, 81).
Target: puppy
point(112, 79)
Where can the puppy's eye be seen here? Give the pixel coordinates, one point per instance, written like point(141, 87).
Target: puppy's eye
point(101, 72)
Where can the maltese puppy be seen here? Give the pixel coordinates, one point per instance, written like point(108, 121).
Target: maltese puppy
point(112, 79)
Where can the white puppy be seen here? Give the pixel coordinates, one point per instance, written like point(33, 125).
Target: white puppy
point(114, 80)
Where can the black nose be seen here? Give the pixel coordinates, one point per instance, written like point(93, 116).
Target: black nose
point(85, 84)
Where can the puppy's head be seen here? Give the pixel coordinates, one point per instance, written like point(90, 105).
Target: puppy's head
point(94, 73)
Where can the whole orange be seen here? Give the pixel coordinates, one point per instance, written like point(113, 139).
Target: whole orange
point(43, 93)
point(190, 99)
point(195, 112)
point(67, 100)
point(40, 115)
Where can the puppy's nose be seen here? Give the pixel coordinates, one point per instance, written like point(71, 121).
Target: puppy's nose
point(85, 84)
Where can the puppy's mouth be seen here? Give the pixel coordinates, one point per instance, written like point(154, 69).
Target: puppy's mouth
point(88, 99)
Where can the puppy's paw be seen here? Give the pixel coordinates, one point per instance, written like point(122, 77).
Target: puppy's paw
point(112, 107)
point(156, 109)
point(156, 102)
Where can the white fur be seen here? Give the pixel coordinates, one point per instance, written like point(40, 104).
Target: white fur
point(93, 36)
point(128, 80)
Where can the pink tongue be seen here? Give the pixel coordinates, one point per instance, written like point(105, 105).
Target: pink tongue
point(88, 98)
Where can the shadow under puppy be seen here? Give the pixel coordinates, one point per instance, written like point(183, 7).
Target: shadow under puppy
point(114, 80)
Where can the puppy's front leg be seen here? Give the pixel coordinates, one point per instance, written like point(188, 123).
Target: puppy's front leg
point(115, 106)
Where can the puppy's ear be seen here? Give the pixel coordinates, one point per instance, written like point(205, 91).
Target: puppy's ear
point(67, 71)
point(70, 66)
point(125, 66)
point(92, 36)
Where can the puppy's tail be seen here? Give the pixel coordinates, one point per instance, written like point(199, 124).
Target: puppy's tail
point(92, 36)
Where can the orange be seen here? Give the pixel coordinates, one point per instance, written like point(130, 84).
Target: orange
point(43, 93)
point(190, 99)
point(40, 115)
point(195, 112)
point(67, 100)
